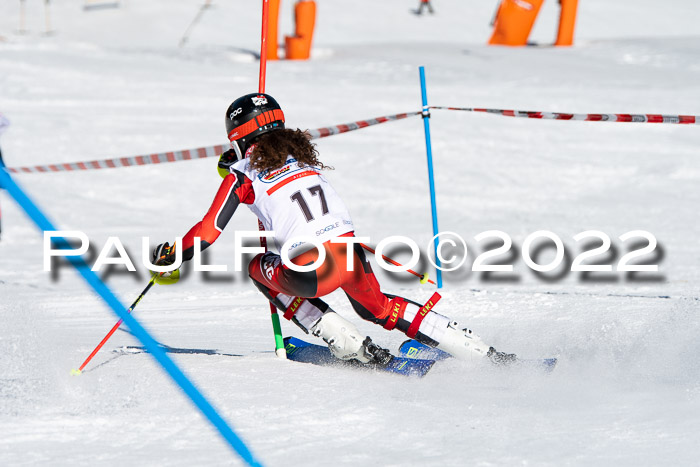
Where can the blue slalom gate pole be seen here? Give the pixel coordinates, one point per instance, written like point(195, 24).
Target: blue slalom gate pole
point(431, 177)
point(137, 330)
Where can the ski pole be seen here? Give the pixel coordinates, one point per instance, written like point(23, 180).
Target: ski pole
point(114, 329)
point(280, 351)
point(276, 325)
point(186, 35)
point(423, 277)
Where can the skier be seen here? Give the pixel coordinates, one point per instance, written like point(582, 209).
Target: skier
point(276, 172)
point(4, 123)
point(424, 4)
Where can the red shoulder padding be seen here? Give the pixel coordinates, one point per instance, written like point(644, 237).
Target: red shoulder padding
point(244, 189)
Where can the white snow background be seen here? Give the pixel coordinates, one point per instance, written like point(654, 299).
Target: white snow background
point(113, 82)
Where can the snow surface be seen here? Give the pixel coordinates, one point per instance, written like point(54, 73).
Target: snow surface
point(113, 83)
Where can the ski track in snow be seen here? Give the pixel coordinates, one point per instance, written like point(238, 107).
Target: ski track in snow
point(113, 83)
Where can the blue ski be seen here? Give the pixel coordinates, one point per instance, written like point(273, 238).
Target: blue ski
point(414, 349)
point(305, 352)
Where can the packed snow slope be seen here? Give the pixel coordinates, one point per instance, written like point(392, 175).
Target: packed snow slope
point(113, 82)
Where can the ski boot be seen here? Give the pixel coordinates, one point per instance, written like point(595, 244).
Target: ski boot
point(345, 341)
point(379, 355)
point(501, 358)
point(465, 345)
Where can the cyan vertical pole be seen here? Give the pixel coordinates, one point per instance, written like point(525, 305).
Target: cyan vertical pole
point(153, 348)
point(431, 178)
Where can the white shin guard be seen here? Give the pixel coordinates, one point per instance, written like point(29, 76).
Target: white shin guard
point(343, 338)
point(462, 343)
point(306, 315)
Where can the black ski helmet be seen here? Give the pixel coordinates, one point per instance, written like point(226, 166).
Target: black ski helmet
point(249, 117)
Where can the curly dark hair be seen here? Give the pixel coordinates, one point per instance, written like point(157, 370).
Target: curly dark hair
point(273, 148)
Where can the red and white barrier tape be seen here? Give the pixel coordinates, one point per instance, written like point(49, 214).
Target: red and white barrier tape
point(215, 151)
point(189, 154)
point(173, 156)
point(626, 118)
point(335, 130)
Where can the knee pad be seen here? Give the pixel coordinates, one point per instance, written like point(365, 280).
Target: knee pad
point(263, 265)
